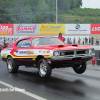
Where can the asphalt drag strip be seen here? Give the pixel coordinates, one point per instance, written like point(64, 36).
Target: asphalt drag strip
point(8, 92)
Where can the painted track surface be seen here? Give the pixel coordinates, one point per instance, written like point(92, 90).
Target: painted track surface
point(64, 84)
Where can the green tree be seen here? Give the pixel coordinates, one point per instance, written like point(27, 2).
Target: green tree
point(5, 12)
point(78, 3)
point(45, 12)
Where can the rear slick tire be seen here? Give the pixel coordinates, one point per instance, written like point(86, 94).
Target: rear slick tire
point(11, 66)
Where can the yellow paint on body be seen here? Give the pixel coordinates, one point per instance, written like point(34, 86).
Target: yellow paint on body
point(33, 59)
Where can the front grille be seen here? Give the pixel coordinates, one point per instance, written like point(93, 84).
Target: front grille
point(67, 53)
point(71, 53)
point(82, 52)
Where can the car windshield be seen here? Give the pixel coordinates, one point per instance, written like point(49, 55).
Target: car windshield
point(46, 41)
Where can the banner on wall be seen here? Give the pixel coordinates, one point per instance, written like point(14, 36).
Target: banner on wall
point(6, 29)
point(11, 39)
point(51, 28)
point(26, 28)
point(95, 28)
point(77, 28)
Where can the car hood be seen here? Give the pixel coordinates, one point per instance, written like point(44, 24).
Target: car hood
point(62, 47)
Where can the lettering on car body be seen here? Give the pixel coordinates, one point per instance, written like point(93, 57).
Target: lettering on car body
point(30, 52)
point(24, 52)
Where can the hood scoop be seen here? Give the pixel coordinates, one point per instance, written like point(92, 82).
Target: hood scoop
point(60, 45)
point(74, 45)
point(71, 45)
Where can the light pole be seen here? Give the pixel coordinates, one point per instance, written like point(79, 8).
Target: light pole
point(56, 12)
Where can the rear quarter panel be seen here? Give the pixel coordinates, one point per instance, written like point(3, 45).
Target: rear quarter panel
point(5, 52)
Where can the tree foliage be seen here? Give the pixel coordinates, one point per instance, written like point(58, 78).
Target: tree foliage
point(43, 11)
point(5, 12)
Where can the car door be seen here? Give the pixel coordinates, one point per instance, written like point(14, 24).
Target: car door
point(24, 52)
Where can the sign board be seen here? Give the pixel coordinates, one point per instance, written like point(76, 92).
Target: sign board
point(6, 29)
point(26, 28)
point(77, 28)
point(95, 28)
point(51, 28)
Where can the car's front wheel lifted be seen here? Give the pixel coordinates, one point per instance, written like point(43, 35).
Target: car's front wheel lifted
point(80, 68)
point(44, 68)
point(11, 66)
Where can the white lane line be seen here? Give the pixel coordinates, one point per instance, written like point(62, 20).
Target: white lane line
point(24, 92)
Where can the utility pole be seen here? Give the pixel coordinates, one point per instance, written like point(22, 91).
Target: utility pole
point(56, 12)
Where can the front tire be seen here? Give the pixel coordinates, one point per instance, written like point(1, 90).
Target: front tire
point(44, 68)
point(11, 66)
point(79, 69)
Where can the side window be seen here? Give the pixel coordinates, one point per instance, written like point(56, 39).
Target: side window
point(35, 41)
point(24, 43)
point(19, 44)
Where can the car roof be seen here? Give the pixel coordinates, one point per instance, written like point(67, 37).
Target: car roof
point(35, 36)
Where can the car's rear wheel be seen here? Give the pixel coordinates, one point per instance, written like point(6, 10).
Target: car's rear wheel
point(44, 68)
point(80, 68)
point(11, 66)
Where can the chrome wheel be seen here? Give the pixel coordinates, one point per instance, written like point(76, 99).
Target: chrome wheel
point(9, 65)
point(43, 69)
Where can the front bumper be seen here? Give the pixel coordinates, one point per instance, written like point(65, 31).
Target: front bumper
point(65, 61)
point(72, 57)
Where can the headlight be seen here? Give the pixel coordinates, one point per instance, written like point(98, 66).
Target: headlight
point(56, 53)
